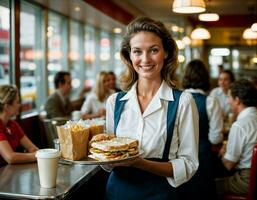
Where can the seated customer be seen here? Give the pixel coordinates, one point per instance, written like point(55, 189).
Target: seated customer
point(237, 154)
point(58, 104)
point(94, 105)
point(112, 82)
point(11, 134)
point(226, 78)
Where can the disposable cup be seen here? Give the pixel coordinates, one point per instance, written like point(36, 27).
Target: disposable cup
point(47, 160)
point(76, 115)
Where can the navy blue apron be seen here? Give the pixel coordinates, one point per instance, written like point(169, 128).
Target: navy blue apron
point(202, 185)
point(128, 183)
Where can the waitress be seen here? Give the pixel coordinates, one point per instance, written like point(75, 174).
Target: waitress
point(153, 111)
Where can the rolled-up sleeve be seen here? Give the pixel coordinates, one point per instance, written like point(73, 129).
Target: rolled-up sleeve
point(187, 128)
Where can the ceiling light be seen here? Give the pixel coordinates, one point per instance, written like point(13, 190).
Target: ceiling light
point(188, 6)
point(117, 30)
point(77, 8)
point(200, 34)
point(174, 28)
point(180, 44)
point(254, 27)
point(186, 40)
point(181, 58)
point(254, 59)
point(208, 17)
point(220, 52)
point(249, 34)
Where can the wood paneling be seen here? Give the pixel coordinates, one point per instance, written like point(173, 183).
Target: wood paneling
point(112, 10)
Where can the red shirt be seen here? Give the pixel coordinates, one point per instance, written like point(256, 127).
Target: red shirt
point(13, 133)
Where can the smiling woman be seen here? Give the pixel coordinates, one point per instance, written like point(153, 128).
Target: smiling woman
point(150, 55)
point(11, 134)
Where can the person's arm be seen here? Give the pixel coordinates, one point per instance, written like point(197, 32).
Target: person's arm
point(215, 120)
point(12, 157)
point(186, 163)
point(228, 164)
point(28, 145)
point(159, 168)
point(99, 113)
point(232, 150)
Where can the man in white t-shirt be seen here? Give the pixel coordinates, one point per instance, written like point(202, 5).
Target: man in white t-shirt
point(237, 153)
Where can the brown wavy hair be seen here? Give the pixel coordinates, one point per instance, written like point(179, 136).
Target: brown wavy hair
point(145, 24)
point(196, 76)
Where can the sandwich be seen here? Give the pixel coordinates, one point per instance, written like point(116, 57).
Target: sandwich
point(101, 137)
point(132, 143)
point(108, 150)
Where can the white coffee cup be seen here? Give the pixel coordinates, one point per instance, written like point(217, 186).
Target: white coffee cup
point(47, 160)
point(76, 115)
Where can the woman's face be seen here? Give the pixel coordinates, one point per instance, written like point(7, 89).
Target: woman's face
point(147, 55)
point(13, 109)
point(106, 82)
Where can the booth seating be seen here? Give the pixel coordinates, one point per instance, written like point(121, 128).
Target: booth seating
point(252, 191)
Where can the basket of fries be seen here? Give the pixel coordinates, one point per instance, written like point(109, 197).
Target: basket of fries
point(73, 139)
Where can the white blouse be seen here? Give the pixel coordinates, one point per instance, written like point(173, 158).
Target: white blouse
point(214, 113)
point(92, 104)
point(151, 131)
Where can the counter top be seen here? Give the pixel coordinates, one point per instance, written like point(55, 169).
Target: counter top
point(22, 181)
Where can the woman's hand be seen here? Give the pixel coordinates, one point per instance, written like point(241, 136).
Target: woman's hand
point(223, 149)
point(101, 112)
point(126, 163)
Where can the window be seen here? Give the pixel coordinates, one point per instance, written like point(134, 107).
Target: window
point(105, 51)
point(118, 65)
point(4, 42)
point(90, 55)
point(31, 56)
point(75, 57)
point(57, 47)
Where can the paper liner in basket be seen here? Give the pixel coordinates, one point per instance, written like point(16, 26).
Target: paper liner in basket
point(73, 141)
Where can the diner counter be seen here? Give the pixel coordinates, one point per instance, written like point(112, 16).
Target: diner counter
point(22, 181)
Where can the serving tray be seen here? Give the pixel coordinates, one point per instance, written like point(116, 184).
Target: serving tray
point(91, 161)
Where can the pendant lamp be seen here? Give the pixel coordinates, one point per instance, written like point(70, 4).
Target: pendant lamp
point(200, 34)
point(188, 6)
point(249, 34)
point(254, 27)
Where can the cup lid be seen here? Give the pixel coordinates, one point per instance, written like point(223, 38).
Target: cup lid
point(48, 153)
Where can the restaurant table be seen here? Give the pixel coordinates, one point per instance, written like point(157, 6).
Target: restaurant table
point(21, 181)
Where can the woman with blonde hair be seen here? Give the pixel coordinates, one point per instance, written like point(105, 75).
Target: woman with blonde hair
point(94, 105)
point(11, 134)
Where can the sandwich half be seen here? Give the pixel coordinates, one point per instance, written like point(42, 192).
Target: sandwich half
point(108, 150)
point(132, 143)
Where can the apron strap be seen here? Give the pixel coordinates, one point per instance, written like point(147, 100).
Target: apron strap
point(171, 118)
point(119, 105)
